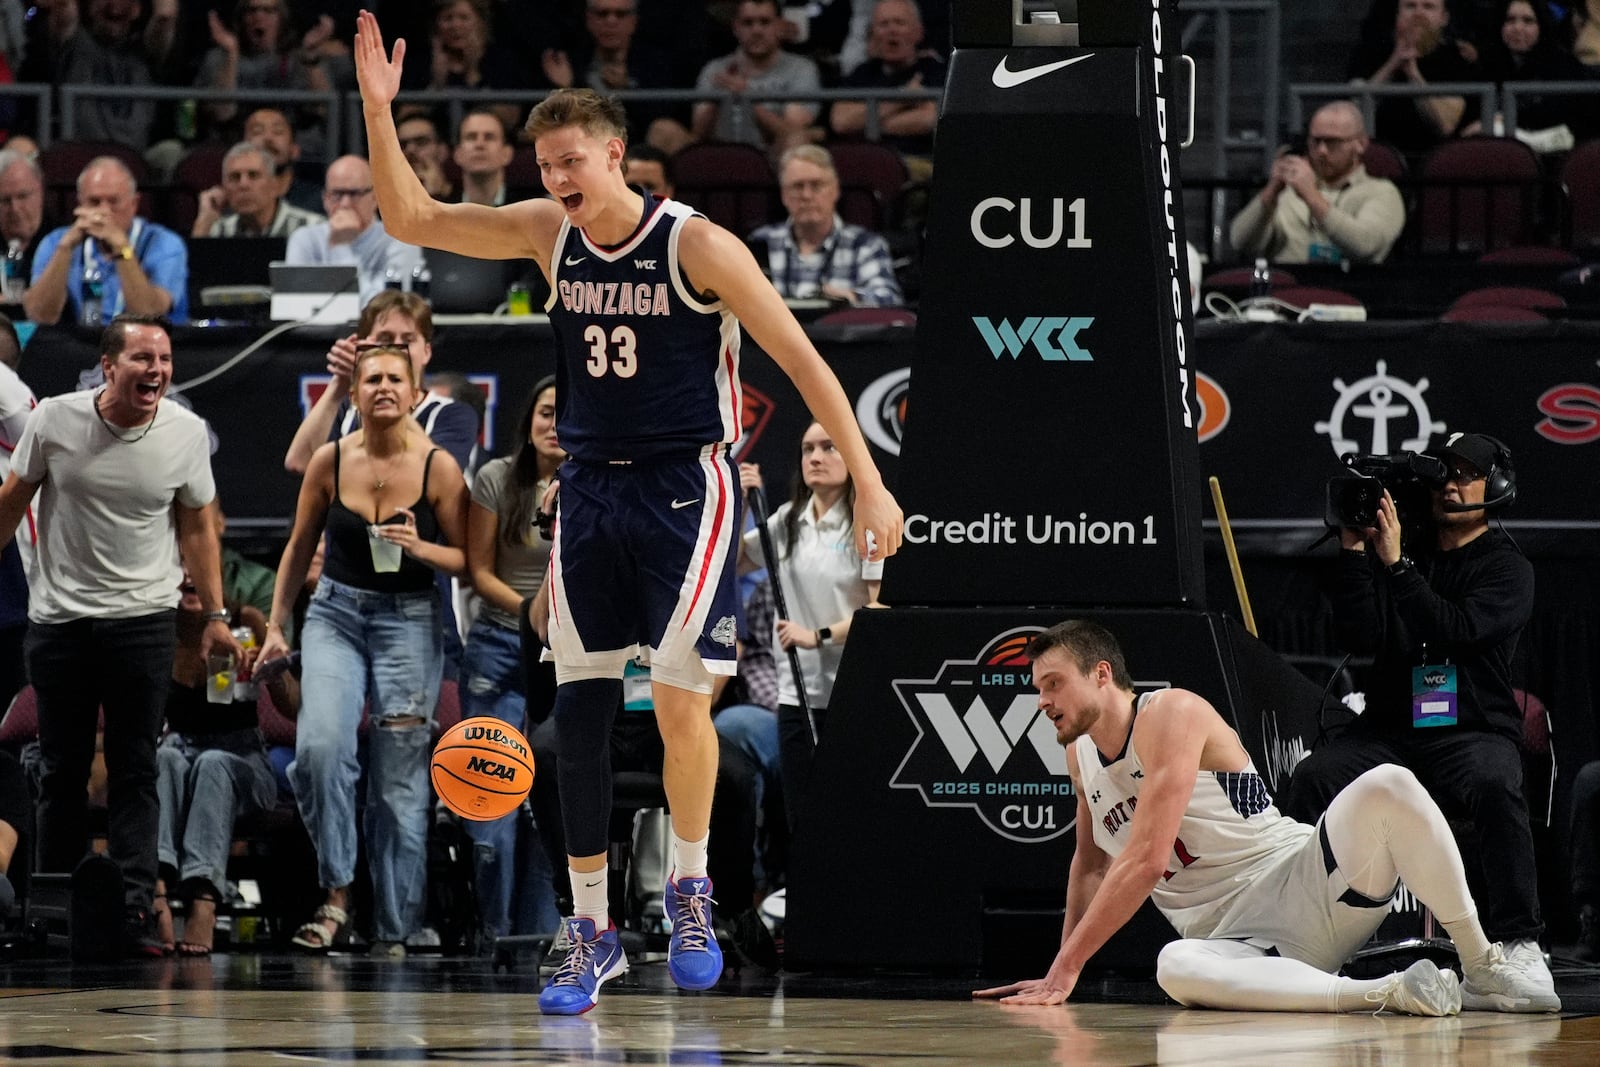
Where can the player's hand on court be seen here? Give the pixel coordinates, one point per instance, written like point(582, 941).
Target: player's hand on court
point(750, 477)
point(879, 523)
point(377, 74)
point(402, 534)
point(1039, 991)
point(1386, 537)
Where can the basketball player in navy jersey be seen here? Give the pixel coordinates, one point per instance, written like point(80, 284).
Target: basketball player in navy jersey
point(1171, 809)
point(647, 301)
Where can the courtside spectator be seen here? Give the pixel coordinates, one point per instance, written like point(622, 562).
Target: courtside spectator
point(897, 61)
point(1323, 207)
point(816, 253)
point(98, 43)
point(256, 49)
point(270, 128)
point(246, 204)
point(1418, 53)
point(758, 65)
point(110, 260)
point(353, 233)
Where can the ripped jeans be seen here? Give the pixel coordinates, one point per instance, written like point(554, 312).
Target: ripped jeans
point(361, 647)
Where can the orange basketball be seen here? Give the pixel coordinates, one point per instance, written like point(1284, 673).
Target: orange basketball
point(482, 768)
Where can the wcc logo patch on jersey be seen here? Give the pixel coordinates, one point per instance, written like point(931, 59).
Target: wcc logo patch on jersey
point(983, 744)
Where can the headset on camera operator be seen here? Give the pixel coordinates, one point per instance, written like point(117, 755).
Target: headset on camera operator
point(1441, 614)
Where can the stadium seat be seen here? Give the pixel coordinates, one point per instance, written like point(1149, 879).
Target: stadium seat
point(1236, 281)
point(199, 170)
point(871, 176)
point(1529, 256)
point(731, 184)
point(1491, 313)
point(1303, 296)
point(1514, 296)
point(1580, 184)
point(1382, 161)
point(1478, 194)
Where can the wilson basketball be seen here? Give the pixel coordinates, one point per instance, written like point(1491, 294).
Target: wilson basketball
point(482, 768)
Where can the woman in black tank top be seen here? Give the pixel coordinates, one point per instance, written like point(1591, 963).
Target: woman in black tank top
point(394, 510)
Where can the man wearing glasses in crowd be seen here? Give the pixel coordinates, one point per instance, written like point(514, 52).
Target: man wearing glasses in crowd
point(1323, 206)
point(353, 233)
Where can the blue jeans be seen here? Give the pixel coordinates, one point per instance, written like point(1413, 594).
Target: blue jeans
point(754, 731)
point(206, 782)
point(492, 684)
point(382, 649)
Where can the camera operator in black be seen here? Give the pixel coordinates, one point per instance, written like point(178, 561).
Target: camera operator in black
point(1458, 608)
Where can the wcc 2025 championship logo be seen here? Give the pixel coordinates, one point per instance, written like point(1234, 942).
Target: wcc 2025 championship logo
point(982, 743)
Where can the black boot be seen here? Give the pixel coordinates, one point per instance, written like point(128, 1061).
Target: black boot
point(1589, 934)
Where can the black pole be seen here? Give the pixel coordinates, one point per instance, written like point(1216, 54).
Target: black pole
point(758, 505)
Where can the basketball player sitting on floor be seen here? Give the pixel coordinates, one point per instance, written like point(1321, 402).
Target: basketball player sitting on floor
point(1267, 908)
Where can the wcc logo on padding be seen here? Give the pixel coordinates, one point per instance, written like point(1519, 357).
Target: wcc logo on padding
point(1053, 338)
point(982, 743)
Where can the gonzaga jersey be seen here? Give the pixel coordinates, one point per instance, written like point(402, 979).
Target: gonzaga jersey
point(1230, 834)
point(647, 369)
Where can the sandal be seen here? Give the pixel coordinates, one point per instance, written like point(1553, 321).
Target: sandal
point(315, 934)
point(205, 931)
point(163, 922)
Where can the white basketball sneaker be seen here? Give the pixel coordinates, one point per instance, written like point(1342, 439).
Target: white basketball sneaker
point(1421, 989)
point(1500, 983)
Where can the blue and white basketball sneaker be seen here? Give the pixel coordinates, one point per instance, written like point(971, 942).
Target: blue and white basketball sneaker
point(694, 959)
point(593, 960)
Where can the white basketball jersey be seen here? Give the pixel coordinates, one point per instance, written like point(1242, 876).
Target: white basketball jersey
point(1230, 832)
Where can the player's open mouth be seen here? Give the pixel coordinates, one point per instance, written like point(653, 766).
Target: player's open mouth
point(148, 391)
point(572, 201)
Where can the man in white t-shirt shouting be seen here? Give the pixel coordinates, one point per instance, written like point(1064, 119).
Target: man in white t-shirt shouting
point(123, 478)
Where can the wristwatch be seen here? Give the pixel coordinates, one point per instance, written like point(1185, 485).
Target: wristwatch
point(220, 615)
point(1399, 566)
point(824, 635)
point(125, 252)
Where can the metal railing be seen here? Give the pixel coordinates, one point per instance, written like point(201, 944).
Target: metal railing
point(71, 94)
point(41, 101)
point(1221, 14)
point(457, 103)
point(1367, 95)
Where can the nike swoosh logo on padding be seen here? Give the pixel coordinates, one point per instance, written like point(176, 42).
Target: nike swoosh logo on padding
point(571, 262)
point(1006, 78)
point(676, 504)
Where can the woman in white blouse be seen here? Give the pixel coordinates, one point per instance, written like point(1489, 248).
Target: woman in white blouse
point(824, 581)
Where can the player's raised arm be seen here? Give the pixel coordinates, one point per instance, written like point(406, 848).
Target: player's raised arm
point(718, 261)
point(525, 229)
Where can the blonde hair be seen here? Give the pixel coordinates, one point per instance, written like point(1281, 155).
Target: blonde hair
point(599, 116)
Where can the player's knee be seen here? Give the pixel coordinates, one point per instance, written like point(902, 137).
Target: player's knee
point(1180, 971)
point(1389, 782)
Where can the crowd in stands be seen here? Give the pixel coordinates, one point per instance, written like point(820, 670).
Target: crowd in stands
point(115, 246)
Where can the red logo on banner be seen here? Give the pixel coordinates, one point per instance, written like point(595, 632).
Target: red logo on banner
point(1215, 408)
point(758, 409)
point(1572, 414)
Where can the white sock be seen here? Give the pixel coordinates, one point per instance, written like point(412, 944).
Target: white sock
point(1472, 944)
point(689, 857)
point(589, 897)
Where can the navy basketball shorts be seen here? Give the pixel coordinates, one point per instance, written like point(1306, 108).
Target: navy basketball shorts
point(646, 556)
